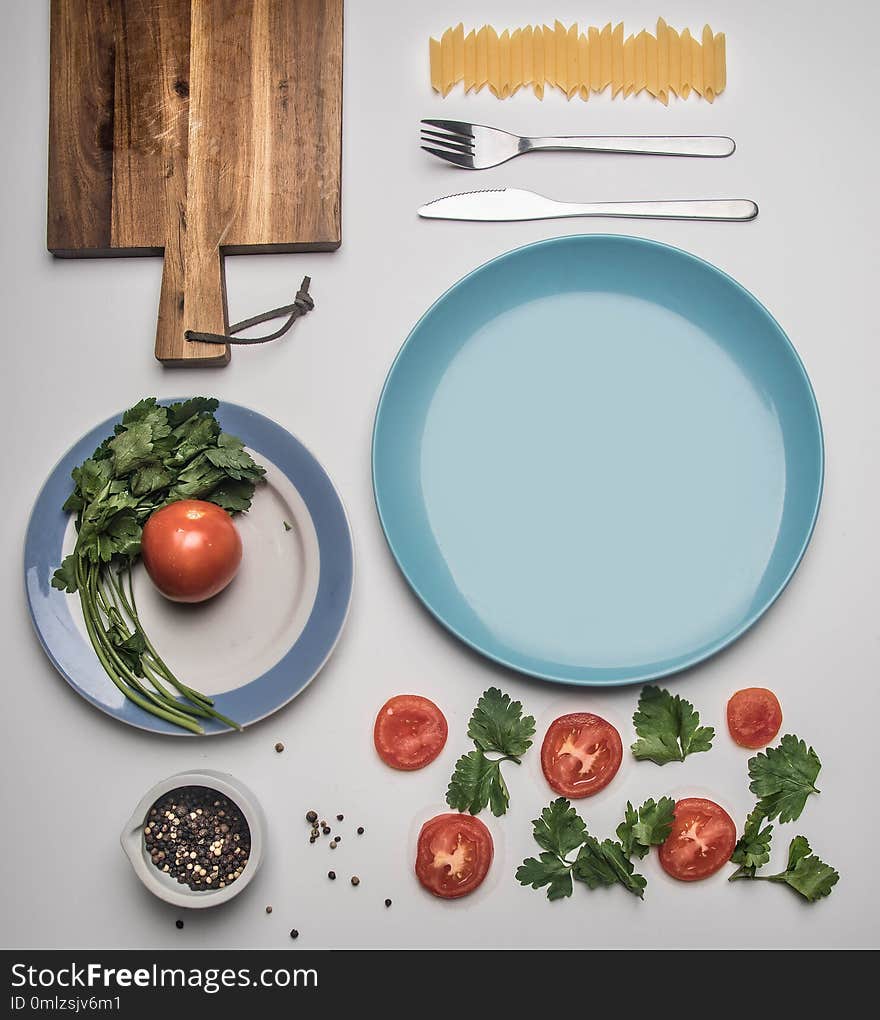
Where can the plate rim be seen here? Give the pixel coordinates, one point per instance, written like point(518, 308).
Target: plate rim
point(683, 663)
point(144, 721)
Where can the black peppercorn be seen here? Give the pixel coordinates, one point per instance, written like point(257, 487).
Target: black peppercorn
point(294, 934)
point(355, 880)
point(387, 903)
point(360, 830)
point(178, 924)
point(331, 875)
point(311, 816)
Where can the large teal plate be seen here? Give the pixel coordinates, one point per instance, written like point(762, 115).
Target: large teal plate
point(597, 459)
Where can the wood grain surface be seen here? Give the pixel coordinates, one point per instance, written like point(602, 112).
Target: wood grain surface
point(199, 128)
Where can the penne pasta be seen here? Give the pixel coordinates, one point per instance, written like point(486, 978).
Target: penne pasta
point(663, 63)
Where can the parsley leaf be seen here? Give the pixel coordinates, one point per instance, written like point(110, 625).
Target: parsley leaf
point(497, 726)
point(647, 827)
point(64, 577)
point(753, 847)
point(806, 873)
point(668, 727)
point(560, 828)
point(809, 876)
point(547, 870)
point(783, 778)
point(606, 863)
point(559, 831)
point(476, 783)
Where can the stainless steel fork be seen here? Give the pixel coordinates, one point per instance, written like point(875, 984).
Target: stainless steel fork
point(477, 147)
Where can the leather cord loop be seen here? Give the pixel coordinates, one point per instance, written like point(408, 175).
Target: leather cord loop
point(300, 305)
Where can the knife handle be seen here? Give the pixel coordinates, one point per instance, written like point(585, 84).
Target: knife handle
point(692, 209)
point(645, 145)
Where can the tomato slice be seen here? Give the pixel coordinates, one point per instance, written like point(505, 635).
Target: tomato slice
point(454, 854)
point(580, 754)
point(754, 717)
point(701, 841)
point(410, 732)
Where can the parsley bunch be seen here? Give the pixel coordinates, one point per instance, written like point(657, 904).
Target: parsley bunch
point(497, 727)
point(560, 831)
point(157, 455)
point(783, 777)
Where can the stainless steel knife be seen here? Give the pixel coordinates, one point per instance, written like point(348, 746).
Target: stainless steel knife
point(500, 204)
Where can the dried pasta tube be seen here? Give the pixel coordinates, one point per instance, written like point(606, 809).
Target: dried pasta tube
point(584, 66)
point(687, 64)
point(446, 54)
point(458, 53)
point(629, 66)
point(662, 62)
point(605, 57)
point(617, 59)
point(493, 62)
point(538, 61)
point(572, 72)
point(516, 62)
point(674, 60)
point(720, 62)
point(640, 79)
point(528, 73)
point(651, 65)
point(470, 61)
point(436, 62)
point(549, 38)
point(504, 64)
point(708, 49)
point(595, 59)
point(482, 58)
point(696, 67)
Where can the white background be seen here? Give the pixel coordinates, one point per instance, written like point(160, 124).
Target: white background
point(78, 336)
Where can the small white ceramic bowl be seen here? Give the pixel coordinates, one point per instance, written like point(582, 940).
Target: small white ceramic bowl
point(168, 888)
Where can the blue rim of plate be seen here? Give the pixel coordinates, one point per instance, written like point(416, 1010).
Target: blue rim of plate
point(683, 662)
point(73, 656)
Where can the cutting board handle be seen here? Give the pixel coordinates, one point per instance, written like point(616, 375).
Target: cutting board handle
point(193, 296)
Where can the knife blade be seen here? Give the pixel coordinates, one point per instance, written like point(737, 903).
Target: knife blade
point(509, 204)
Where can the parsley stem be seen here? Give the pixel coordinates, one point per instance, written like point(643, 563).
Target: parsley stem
point(100, 650)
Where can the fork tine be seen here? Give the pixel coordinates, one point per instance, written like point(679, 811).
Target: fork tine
point(445, 136)
point(460, 127)
point(459, 159)
point(448, 143)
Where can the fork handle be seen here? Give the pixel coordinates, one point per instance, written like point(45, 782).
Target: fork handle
point(645, 145)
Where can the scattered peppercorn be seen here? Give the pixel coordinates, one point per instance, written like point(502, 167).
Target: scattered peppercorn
point(339, 818)
point(387, 903)
point(268, 910)
point(332, 844)
point(355, 880)
point(331, 875)
point(279, 747)
point(323, 824)
point(198, 837)
point(360, 830)
point(314, 833)
point(294, 934)
point(338, 838)
point(312, 839)
point(311, 816)
point(178, 924)
point(325, 828)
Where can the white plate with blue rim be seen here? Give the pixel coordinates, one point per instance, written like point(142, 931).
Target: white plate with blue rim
point(259, 643)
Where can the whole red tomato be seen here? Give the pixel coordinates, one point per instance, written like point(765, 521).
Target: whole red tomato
point(191, 550)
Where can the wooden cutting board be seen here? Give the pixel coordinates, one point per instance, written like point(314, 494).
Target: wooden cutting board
point(194, 128)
